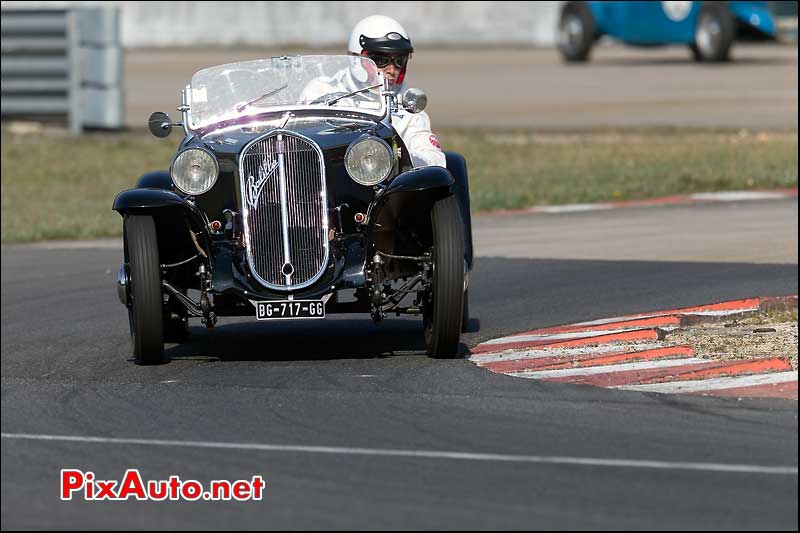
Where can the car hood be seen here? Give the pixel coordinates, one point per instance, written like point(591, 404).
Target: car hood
point(327, 132)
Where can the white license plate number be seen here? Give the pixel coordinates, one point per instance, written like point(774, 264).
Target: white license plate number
point(290, 309)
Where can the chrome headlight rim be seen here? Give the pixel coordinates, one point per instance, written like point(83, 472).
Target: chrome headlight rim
point(367, 138)
point(213, 180)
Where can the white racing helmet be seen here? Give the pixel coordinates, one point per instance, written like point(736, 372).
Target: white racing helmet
point(378, 34)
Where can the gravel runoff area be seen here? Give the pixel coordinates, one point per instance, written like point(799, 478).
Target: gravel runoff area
point(769, 334)
point(745, 352)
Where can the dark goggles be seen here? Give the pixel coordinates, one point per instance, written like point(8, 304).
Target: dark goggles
point(383, 61)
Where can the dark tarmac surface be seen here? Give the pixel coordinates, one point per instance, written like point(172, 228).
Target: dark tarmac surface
point(346, 383)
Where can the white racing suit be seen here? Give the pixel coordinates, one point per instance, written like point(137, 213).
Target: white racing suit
point(422, 144)
point(413, 128)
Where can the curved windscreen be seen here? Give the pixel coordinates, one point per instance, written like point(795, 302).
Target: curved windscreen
point(225, 92)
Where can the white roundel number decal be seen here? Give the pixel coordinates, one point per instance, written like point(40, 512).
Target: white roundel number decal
point(677, 11)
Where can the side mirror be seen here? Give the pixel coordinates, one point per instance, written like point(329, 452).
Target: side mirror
point(159, 124)
point(414, 100)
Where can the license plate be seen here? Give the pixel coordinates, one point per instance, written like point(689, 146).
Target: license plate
point(290, 309)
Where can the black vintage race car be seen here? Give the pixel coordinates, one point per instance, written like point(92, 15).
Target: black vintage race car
point(293, 197)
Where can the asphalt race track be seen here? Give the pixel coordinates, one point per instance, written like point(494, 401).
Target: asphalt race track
point(359, 390)
point(532, 88)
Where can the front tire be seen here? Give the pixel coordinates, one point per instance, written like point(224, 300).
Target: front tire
point(444, 310)
point(146, 306)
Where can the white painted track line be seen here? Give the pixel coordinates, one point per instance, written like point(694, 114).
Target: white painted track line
point(591, 370)
point(603, 321)
point(723, 312)
point(714, 197)
point(737, 196)
point(561, 336)
point(612, 320)
point(420, 454)
point(544, 351)
point(714, 383)
point(571, 208)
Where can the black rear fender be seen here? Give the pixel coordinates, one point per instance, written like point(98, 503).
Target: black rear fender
point(160, 179)
point(457, 166)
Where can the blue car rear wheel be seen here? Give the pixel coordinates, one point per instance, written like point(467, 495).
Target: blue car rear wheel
point(576, 32)
point(714, 33)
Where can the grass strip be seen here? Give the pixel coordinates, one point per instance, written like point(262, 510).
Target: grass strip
point(60, 187)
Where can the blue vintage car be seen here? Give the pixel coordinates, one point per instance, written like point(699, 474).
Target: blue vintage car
point(708, 28)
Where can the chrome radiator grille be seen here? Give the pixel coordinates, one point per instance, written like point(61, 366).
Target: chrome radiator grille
point(285, 210)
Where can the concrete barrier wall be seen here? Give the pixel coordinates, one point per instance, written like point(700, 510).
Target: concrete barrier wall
point(324, 24)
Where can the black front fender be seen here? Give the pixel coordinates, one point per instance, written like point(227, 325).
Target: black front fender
point(148, 199)
point(168, 209)
point(436, 181)
point(412, 193)
point(399, 220)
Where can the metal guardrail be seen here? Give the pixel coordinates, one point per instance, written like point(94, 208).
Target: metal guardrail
point(784, 8)
point(63, 63)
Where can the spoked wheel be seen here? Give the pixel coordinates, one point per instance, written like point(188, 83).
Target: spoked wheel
point(146, 310)
point(443, 312)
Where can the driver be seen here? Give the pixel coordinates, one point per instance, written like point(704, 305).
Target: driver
point(386, 42)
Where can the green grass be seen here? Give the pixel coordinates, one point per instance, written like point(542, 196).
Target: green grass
point(58, 187)
point(512, 170)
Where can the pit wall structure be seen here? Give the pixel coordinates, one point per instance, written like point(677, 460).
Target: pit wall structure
point(322, 24)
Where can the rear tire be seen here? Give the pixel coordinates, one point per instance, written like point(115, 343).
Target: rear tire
point(443, 314)
point(146, 309)
point(713, 34)
point(695, 52)
point(465, 314)
point(576, 32)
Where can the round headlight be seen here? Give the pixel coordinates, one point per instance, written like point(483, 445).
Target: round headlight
point(368, 160)
point(194, 171)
